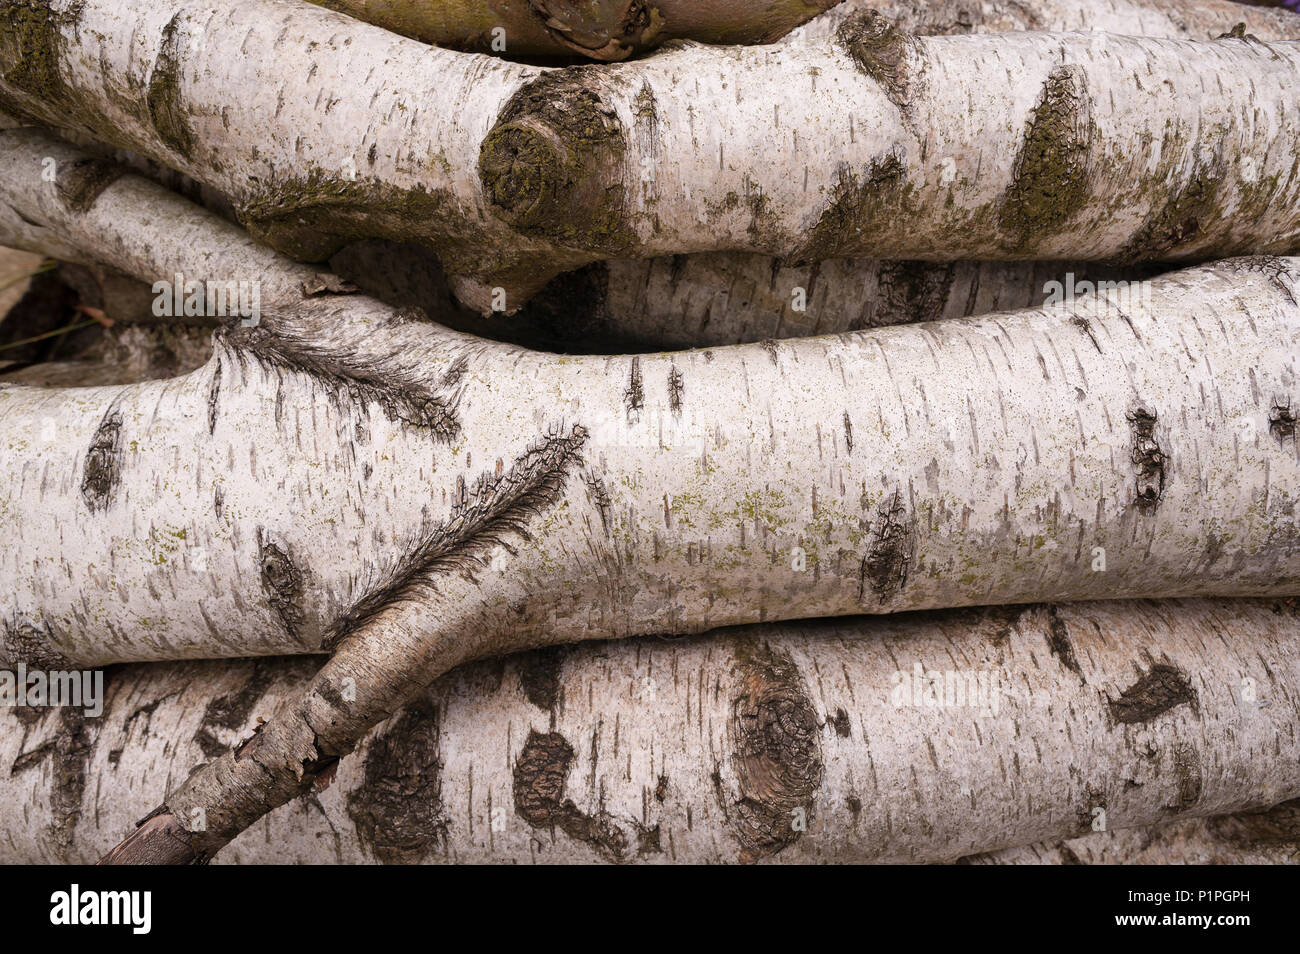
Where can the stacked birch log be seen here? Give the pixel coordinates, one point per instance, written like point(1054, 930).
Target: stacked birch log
point(684, 432)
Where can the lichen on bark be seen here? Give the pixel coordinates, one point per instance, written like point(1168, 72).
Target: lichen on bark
point(311, 217)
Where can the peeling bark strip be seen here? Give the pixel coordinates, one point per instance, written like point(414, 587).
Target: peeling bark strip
point(559, 176)
point(398, 809)
point(888, 562)
point(1161, 688)
point(103, 464)
point(159, 839)
point(894, 787)
point(775, 751)
point(1152, 463)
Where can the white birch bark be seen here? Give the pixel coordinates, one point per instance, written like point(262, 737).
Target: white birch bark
point(784, 743)
point(1176, 19)
point(1267, 837)
point(474, 498)
point(1048, 432)
point(873, 144)
point(721, 298)
point(394, 810)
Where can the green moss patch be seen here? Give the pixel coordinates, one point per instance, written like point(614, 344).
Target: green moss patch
point(163, 95)
point(29, 47)
point(879, 49)
point(310, 219)
point(862, 208)
point(1049, 184)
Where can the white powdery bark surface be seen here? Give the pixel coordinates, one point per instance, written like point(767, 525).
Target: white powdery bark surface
point(1268, 837)
point(721, 298)
point(1177, 19)
point(871, 144)
point(789, 742)
point(1003, 459)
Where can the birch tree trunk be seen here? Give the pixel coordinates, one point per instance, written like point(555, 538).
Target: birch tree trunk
point(1176, 19)
point(714, 299)
point(871, 144)
point(614, 29)
point(1269, 837)
point(388, 815)
point(925, 737)
point(652, 494)
point(682, 301)
point(693, 494)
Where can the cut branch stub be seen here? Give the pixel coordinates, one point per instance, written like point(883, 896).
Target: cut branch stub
point(552, 166)
point(777, 755)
